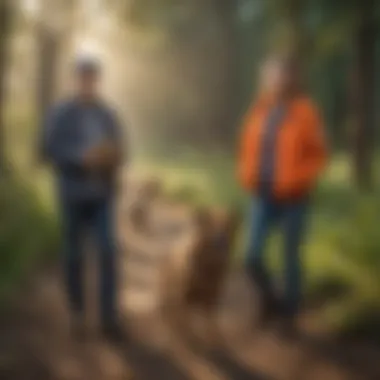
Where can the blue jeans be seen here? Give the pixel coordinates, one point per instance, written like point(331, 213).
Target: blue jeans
point(97, 218)
point(265, 215)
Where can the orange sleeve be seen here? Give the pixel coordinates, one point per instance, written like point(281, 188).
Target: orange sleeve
point(315, 146)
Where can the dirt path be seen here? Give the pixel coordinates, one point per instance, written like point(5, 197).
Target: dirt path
point(35, 345)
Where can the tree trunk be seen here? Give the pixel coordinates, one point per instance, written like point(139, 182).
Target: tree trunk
point(293, 13)
point(48, 53)
point(288, 33)
point(228, 114)
point(363, 94)
point(5, 14)
point(48, 50)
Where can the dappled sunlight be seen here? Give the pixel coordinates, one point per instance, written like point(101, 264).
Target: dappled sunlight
point(177, 78)
point(338, 172)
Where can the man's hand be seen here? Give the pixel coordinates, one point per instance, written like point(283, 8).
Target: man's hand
point(102, 158)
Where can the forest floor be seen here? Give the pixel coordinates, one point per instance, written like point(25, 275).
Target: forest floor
point(35, 342)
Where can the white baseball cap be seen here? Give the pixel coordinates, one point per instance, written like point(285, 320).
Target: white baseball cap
point(86, 63)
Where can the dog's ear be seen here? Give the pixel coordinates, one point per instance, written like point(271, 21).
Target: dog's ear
point(137, 217)
point(231, 220)
point(202, 218)
point(150, 189)
point(222, 218)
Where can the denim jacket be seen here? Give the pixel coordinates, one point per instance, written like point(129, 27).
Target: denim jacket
point(64, 144)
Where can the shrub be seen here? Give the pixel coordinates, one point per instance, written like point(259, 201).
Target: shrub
point(27, 231)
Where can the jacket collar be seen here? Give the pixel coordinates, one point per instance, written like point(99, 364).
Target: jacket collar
point(267, 100)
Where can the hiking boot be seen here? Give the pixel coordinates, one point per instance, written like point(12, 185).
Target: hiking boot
point(114, 333)
point(269, 303)
point(78, 329)
point(287, 327)
point(271, 310)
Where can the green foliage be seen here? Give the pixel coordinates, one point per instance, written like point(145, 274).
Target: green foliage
point(357, 236)
point(160, 22)
point(27, 232)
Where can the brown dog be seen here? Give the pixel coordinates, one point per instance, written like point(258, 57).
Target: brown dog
point(195, 272)
point(211, 257)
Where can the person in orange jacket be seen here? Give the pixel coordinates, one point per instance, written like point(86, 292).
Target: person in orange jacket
point(281, 155)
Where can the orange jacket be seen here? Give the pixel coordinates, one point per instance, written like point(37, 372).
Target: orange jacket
point(300, 149)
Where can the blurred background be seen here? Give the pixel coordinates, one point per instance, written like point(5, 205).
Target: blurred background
point(182, 74)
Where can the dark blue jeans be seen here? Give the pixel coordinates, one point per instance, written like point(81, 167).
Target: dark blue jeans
point(97, 218)
point(265, 215)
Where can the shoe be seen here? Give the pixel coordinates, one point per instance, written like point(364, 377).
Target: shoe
point(270, 305)
point(114, 333)
point(287, 328)
point(271, 310)
point(78, 329)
